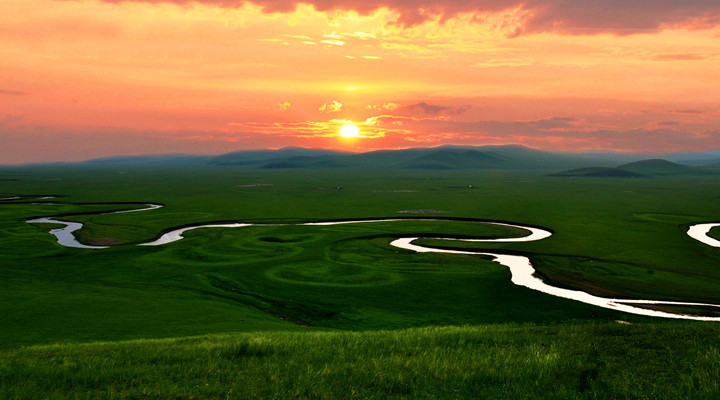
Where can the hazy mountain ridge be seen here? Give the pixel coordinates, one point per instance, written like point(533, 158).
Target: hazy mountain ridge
point(147, 159)
point(441, 158)
point(248, 157)
point(661, 167)
point(437, 158)
point(599, 172)
point(641, 169)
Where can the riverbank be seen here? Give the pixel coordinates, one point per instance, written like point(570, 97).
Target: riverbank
point(521, 269)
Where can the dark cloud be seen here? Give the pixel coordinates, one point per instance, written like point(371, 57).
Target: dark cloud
point(31, 144)
point(11, 92)
point(680, 57)
point(569, 16)
point(553, 123)
point(688, 111)
point(558, 131)
point(542, 126)
point(432, 109)
point(11, 118)
point(652, 140)
point(620, 16)
point(668, 123)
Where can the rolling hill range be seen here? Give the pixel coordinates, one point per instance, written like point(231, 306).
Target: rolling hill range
point(599, 172)
point(641, 169)
point(507, 157)
point(659, 167)
point(438, 158)
point(255, 157)
point(512, 157)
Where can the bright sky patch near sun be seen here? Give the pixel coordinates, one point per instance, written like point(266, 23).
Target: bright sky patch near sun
point(349, 130)
point(91, 78)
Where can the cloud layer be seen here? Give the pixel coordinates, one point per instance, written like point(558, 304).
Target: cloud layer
point(568, 16)
point(89, 78)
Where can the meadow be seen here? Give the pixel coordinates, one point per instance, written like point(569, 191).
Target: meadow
point(500, 361)
point(332, 310)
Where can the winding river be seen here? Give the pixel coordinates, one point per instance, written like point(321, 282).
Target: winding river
point(700, 232)
point(521, 269)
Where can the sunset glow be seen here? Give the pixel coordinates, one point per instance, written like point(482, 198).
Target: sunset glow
point(92, 78)
point(349, 131)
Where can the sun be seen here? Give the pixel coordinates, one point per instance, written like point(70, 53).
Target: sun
point(349, 131)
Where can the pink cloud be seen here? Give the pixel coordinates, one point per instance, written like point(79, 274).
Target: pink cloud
point(680, 57)
point(434, 109)
point(573, 17)
point(5, 92)
point(43, 144)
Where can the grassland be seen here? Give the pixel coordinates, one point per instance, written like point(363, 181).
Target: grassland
point(620, 237)
point(504, 361)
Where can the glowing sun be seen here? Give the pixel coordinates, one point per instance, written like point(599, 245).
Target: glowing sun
point(349, 131)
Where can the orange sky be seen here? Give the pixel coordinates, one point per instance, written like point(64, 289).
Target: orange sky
point(90, 78)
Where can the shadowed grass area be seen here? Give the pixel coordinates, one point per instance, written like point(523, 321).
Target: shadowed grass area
point(715, 232)
point(510, 361)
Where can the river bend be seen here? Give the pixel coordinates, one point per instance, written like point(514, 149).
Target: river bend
point(521, 269)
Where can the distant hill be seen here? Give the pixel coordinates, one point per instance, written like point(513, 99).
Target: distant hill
point(506, 157)
point(693, 159)
point(599, 172)
point(148, 159)
point(708, 162)
point(304, 162)
point(485, 157)
point(438, 158)
point(251, 157)
point(639, 169)
point(659, 167)
point(457, 159)
point(715, 166)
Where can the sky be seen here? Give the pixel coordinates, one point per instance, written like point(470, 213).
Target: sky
point(81, 79)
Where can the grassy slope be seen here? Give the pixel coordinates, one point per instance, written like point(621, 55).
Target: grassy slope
point(509, 361)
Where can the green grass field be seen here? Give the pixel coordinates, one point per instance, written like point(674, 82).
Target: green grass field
point(503, 361)
point(326, 310)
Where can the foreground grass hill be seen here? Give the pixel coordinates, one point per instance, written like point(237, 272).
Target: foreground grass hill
point(670, 360)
